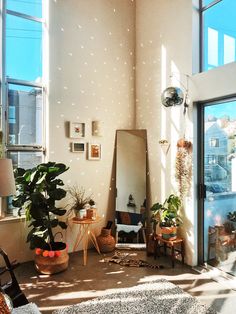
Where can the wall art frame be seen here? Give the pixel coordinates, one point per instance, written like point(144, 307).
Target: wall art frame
point(78, 147)
point(76, 129)
point(94, 151)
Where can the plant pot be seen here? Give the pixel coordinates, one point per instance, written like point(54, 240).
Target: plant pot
point(169, 233)
point(81, 213)
point(106, 241)
point(52, 260)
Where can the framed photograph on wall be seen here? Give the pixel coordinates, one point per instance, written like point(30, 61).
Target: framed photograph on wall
point(77, 147)
point(94, 151)
point(77, 129)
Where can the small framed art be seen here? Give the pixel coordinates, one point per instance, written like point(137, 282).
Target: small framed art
point(77, 129)
point(77, 147)
point(94, 151)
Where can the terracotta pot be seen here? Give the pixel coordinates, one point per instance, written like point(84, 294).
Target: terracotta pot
point(169, 233)
point(106, 241)
point(89, 213)
point(185, 144)
point(52, 260)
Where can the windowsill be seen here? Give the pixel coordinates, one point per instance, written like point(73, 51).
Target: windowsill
point(11, 219)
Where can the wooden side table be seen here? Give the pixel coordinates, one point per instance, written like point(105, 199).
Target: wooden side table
point(85, 233)
point(172, 245)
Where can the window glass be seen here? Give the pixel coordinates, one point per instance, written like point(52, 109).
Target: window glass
point(206, 2)
point(26, 160)
point(29, 7)
point(24, 115)
point(23, 49)
point(219, 34)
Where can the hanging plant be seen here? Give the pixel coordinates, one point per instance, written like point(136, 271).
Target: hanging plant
point(183, 166)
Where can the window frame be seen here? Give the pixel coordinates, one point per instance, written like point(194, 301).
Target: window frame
point(4, 87)
point(202, 9)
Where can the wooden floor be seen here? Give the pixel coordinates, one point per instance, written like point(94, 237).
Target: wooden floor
point(80, 283)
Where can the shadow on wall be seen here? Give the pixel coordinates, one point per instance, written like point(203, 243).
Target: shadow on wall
point(111, 206)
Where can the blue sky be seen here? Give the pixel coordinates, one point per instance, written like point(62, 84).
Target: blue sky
point(220, 110)
point(24, 41)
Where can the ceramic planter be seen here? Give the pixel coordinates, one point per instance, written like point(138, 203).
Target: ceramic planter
point(169, 233)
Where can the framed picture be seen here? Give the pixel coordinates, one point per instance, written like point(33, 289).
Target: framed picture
point(77, 130)
point(94, 151)
point(77, 147)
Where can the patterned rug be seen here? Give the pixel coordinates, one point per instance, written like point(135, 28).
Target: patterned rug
point(159, 297)
point(125, 259)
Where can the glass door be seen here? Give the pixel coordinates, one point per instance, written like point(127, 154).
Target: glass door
point(219, 182)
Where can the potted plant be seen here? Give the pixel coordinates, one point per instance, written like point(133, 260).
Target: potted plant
point(38, 189)
point(167, 216)
point(79, 201)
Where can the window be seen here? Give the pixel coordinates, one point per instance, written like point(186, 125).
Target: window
point(218, 33)
point(214, 142)
point(22, 88)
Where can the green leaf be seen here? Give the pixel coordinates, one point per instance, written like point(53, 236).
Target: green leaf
point(62, 224)
point(54, 223)
point(58, 211)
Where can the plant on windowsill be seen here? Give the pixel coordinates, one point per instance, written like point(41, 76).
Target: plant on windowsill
point(38, 189)
point(167, 216)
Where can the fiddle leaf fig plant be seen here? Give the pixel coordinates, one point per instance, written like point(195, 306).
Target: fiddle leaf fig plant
point(38, 189)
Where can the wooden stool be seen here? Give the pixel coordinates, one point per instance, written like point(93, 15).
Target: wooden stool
point(160, 242)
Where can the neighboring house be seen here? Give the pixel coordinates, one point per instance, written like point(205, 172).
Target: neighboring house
point(216, 152)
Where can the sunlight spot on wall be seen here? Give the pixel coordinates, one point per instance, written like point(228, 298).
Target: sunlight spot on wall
point(85, 63)
point(95, 19)
point(128, 29)
point(59, 102)
point(61, 115)
point(82, 173)
point(92, 37)
point(114, 10)
point(163, 68)
point(72, 104)
point(62, 29)
point(82, 47)
point(110, 33)
point(79, 26)
point(52, 152)
point(59, 68)
point(70, 54)
point(65, 87)
point(141, 45)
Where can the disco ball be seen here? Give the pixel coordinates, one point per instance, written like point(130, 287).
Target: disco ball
point(172, 96)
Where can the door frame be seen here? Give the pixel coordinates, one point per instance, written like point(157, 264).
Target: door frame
point(200, 105)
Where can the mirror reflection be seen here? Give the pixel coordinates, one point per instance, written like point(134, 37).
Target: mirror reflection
point(131, 147)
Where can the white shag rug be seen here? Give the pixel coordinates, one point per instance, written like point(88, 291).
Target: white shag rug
point(159, 297)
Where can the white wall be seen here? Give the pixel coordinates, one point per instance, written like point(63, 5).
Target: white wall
point(167, 44)
point(163, 47)
point(91, 77)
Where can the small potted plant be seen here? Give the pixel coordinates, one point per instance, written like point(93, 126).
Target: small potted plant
point(167, 216)
point(80, 202)
point(38, 189)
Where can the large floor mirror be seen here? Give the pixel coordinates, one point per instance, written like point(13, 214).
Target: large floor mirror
point(131, 172)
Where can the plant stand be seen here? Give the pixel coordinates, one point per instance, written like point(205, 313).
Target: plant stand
point(172, 245)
